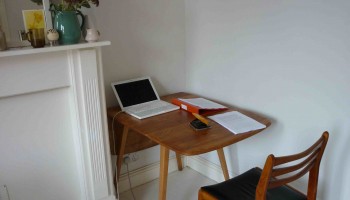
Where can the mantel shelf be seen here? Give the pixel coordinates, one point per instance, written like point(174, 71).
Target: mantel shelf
point(31, 50)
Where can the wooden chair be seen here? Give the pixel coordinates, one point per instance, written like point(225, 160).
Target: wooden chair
point(270, 183)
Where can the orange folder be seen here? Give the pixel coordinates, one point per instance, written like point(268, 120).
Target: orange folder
point(194, 109)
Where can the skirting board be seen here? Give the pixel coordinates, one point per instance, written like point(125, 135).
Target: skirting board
point(151, 172)
point(206, 168)
point(145, 174)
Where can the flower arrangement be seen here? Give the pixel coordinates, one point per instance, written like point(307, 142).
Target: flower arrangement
point(73, 5)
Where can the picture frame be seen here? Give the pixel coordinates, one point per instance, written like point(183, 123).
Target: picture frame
point(34, 19)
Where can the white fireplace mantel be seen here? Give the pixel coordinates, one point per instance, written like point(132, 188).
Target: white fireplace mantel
point(53, 130)
point(30, 50)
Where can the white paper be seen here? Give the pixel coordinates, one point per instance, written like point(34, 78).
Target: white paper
point(203, 103)
point(236, 122)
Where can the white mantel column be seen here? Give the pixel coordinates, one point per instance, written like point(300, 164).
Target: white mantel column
point(86, 81)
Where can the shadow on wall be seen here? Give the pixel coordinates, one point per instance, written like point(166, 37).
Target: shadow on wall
point(252, 152)
point(335, 170)
point(231, 155)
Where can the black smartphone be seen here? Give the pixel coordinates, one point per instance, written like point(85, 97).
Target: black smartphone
point(198, 125)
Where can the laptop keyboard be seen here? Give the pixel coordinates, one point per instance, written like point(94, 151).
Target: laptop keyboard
point(155, 111)
point(150, 107)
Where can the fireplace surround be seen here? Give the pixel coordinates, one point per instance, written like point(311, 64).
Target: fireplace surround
point(53, 131)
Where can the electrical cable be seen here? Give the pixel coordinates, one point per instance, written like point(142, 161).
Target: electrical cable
point(115, 151)
point(126, 163)
point(128, 173)
point(4, 193)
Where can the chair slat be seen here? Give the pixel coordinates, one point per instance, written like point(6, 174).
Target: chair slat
point(286, 159)
point(284, 170)
point(278, 182)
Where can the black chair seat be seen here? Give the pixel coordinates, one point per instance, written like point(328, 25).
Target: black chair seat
point(243, 187)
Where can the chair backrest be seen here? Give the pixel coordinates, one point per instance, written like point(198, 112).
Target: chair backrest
point(306, 161)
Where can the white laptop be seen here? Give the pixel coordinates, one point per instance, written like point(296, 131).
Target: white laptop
point(139, 98)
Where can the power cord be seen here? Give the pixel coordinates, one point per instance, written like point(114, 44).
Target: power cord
point(126, 159)
point(126, 162)
point(114, 145)
point(4, 193)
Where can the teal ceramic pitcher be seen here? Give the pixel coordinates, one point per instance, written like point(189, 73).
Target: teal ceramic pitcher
point(67, 25)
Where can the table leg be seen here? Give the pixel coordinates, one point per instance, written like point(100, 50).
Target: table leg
point(163, 176)
point(179, 162)
point(121, 151)
point(222, 159)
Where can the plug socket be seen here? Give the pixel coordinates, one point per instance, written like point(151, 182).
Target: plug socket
point(126, 159)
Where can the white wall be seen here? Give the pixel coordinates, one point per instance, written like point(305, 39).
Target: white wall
point(15, 18)
point(148, 39)
point(287, 60)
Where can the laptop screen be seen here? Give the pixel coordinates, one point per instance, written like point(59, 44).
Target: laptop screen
point(136, 92)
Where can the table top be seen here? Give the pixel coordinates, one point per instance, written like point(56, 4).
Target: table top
point(172, 129)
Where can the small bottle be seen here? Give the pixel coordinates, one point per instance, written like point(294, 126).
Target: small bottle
point(3, 45)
